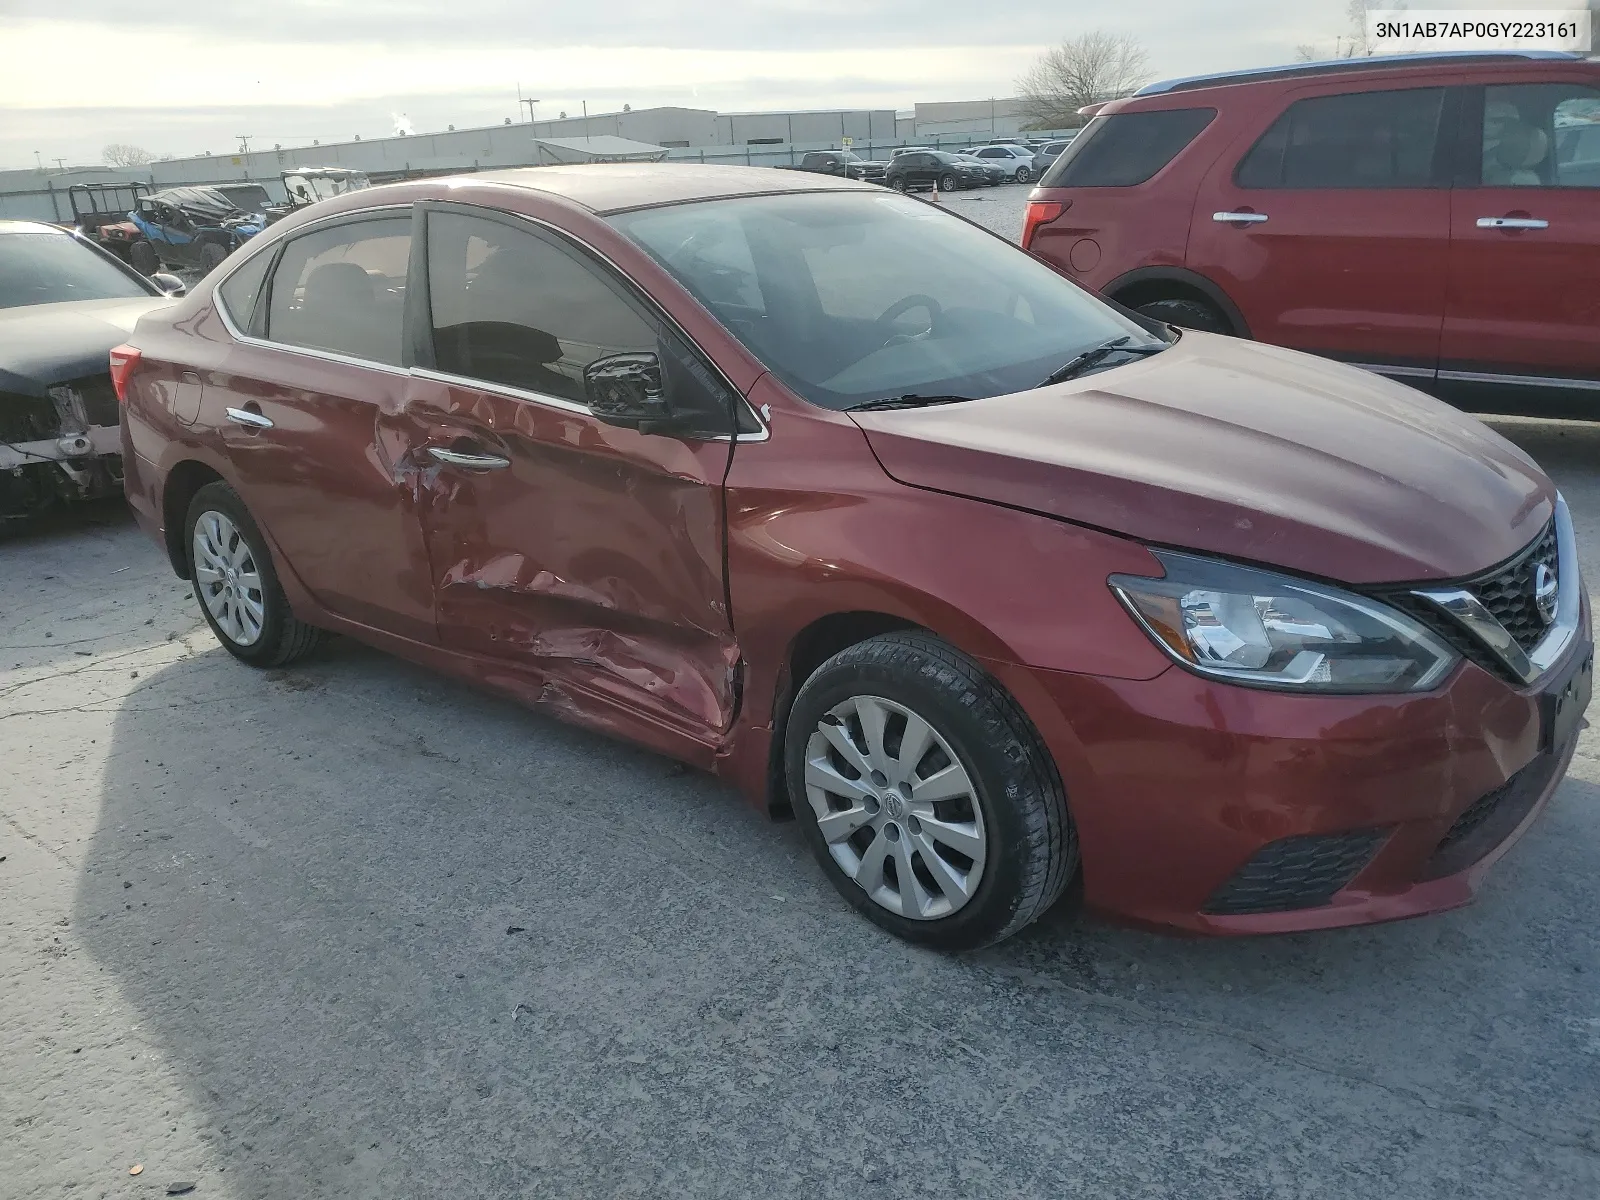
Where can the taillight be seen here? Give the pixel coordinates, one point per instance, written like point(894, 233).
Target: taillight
point(123, 360)
point(1040, 212)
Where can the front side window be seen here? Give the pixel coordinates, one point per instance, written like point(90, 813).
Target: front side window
point(1541, 135)
point(1358, 140)
point(50, 267)
point(343, 289)
point(852, 298)
point(1125, 149)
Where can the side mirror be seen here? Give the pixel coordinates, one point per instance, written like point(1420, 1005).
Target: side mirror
point(626, 390)
point(169, 284)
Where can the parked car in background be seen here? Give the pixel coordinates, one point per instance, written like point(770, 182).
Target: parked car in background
point(64, 302)
point(845, 163)
point(188, 229)
point(744, 466)
point(310, 185)
point(993, 173)
point(1435, 218)
point(249, 198)
point(1046, 154)
point(100, 212)
point(938, 169)
point(899, 150)
point(1016, 162)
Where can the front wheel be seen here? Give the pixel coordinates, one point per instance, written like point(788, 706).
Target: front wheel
point(926, 793)
point(1024, 175)
point(947, 183)
point(231, 571)
point(898, 183)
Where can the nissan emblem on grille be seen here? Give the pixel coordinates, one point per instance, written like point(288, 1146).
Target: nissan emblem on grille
point(1545, 587)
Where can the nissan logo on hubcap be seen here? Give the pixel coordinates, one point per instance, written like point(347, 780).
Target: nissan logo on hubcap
point(895, 806)
point(1545, 587)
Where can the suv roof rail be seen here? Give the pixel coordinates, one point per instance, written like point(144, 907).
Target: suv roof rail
point(1375, 62)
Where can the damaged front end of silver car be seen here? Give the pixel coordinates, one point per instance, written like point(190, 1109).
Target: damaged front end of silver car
point(58, 448)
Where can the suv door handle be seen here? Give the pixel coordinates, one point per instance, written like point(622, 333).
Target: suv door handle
point(479, 462)
point(1512, 223)
point(1242, 218)
point(243, 416)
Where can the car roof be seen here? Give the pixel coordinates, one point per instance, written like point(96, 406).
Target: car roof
point(1342, 66)
point(616, 187)
point(18, 226)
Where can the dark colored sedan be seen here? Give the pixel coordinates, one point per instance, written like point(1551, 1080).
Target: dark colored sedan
point(839, 496)
point(64, 302)
point(936, 169)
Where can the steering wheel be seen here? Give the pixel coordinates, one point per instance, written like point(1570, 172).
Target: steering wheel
point(904, 305)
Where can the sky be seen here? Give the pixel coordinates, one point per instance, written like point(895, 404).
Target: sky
point(184, 79)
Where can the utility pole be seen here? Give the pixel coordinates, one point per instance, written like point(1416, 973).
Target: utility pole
point(61, 165)
point(586, 120)
point(244, 142)
point(39, 160)
point(530, 103)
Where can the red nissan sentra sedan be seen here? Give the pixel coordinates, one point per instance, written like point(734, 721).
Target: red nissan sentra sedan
point(835, 494)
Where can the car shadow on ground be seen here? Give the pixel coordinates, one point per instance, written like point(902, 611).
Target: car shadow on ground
point(401, 938)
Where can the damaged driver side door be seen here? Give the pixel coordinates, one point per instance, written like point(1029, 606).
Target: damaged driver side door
point(587, 554)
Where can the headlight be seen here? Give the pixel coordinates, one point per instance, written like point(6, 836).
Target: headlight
point(1267, 630)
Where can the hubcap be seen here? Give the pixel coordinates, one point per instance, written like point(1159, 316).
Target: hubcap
point(897, 809)
point(226, 576)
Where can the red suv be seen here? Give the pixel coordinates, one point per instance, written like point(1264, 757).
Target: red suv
point(1434, 218)
point(836, 494)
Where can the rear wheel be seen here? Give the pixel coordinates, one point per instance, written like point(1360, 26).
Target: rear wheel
point(142, 256)
point(211, 256)
point(1188, 314)
point(231, 570)
point(947, 183)
point(926, 793)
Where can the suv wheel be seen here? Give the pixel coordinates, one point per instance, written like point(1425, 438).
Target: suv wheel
point(232, 575)
point(142, 257)
point(947, 183)
point(898, 183)
point(1188, 314)
point(1024, 175)
point(926, 794)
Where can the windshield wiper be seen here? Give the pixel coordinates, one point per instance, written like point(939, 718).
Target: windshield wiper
point(909, 400)
point(1080, 363)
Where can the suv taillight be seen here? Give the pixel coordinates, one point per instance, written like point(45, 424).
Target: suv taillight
point(123, 360)
point(1040, 212)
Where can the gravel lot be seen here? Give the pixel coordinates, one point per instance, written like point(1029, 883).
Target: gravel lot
point(351, 930)
point(999, 208)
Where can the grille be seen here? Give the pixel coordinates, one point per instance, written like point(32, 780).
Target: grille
point(1506, 591)
point(1490, 818)
point(1296, 872)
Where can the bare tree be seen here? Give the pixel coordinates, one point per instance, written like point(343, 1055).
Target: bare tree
point(121, 154)
point(1086, 69)
point(1354, 42)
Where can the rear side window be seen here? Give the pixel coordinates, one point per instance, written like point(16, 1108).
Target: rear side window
point(343, 289)
point(240, 290)
point(1541, 135)
point(1358, 140)
point(1125, 149)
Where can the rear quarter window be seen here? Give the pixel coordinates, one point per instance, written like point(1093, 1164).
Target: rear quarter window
point(1124, 149)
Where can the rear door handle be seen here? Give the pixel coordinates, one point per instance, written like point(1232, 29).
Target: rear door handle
point(243, 416)
point(478, 462)
point(1229, 218)
point(1512, 223)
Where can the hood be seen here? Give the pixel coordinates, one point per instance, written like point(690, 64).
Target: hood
point(42, 344)
point(1241, 450)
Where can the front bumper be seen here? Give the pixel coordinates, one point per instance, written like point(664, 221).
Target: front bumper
point(1186, 792)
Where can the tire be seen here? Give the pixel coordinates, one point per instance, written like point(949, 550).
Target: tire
point(211, 256)
point(1008, 816)
point(1188, 314)
point(143, 258)
point(276, 636)
point(948, 183)
point(1024, 175)
point(898, 182)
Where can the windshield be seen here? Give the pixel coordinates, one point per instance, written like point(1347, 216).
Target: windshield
point(251, 199)
point(308, 189)
point(850, 298)
point(48, 268)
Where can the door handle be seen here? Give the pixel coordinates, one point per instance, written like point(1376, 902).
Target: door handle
point(1512, 223)
point(479, 462)
point(1241, 218)
point(243, 416)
